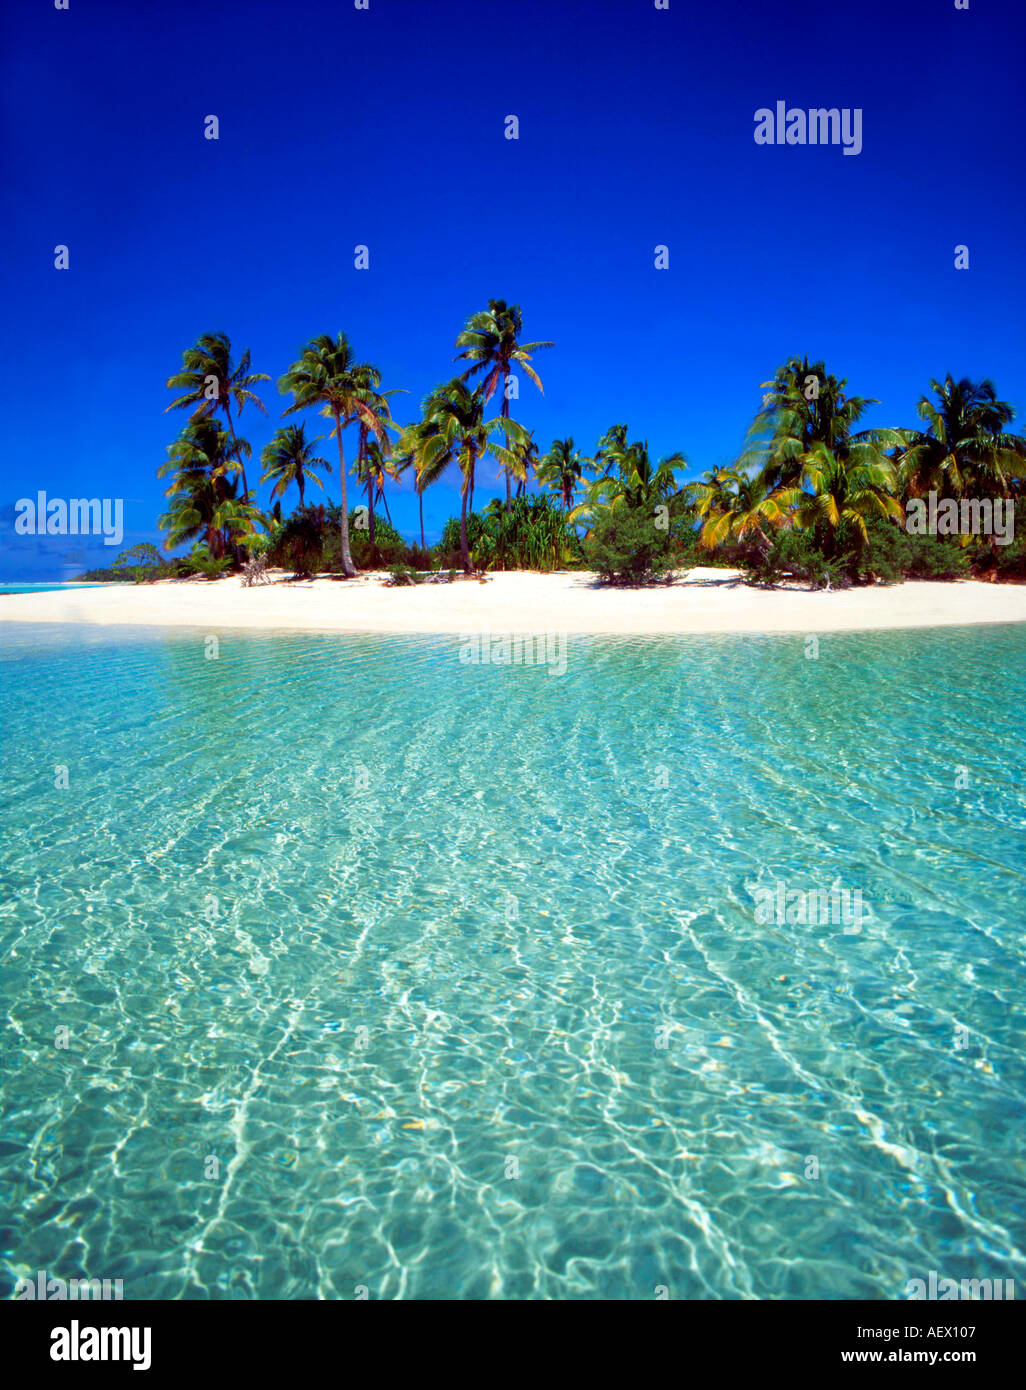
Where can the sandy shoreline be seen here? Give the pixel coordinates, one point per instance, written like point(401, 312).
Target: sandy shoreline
point(705, 601)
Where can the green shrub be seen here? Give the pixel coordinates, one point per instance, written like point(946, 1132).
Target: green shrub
point(891, 554)
point(419, 558)
point(794, 554)
point(142, 563)
point(448, 549)
point(388, 547)
point(1007, 562)
point(626, 546)
point(310, 542)
point(200, 561)
point(887, 553)
point(298, 543)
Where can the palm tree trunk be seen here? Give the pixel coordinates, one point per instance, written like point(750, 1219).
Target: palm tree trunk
point(348, 568)
point(235, 442)
point(505, 416)
point(464, 546)
point(370, 508)
point(420, 499)
point(302, 488)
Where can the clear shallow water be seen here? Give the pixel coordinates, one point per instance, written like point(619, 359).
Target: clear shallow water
point(259, 856)
point(42, 588)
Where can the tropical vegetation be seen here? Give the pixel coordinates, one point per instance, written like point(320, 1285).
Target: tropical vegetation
point(815, 494)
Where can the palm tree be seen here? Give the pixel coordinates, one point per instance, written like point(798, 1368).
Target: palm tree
point(376, 402)
point(289, 458)
point(965, 446)
point(454, 430)
point(609, 448)
point(525, 456)
point(190, 517)
point(834, 490)
point(205, 449)
point(797, 415)
point(490, 341)
point(628, 478)
point(376, 468)
point(204, 502)
point(404, 456)
point(328, 375)
point(561, 469)
point(735, 502)
point(211, 380)
point(637, 481)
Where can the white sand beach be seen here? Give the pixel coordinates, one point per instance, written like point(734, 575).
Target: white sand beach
point(704, 600)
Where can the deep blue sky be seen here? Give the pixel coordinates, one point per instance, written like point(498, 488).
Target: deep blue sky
point(385, 127)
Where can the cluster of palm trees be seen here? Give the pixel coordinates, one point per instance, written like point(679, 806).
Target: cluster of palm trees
point(807, 463)
point(207, 460)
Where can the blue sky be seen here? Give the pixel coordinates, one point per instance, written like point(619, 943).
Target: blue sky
point(385, 127)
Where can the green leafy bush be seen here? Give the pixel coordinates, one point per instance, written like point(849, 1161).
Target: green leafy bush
point(309, 542)
point(201, 562)
point(140, 564)
point(143, 563)
point(419, 558)
point(1005, 563)
point(795, 555)
point(887, 554)
point(891, 554)
point(387, 548)
point(298, 543)
point(448, 549)
point(626, 546)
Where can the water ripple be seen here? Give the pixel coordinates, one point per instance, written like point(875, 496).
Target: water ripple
point(384, 972)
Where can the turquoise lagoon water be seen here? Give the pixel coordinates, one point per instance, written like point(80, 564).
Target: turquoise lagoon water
point(42, 588)
point(392, 939)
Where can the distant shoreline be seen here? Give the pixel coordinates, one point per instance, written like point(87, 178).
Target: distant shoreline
point(704, 601)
